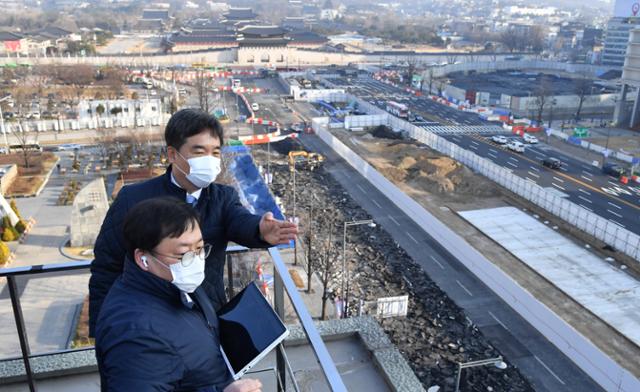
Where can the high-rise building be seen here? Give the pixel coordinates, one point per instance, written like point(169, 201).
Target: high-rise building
point(617, 39)
point(626, 16)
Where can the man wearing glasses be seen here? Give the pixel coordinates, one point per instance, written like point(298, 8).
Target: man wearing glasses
point(194, 139)
point(157, 330)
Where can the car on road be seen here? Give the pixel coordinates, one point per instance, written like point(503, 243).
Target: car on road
point(255, 107)
point(530, 139)
point(552, 163)
point(420, 119)
point(499, 139)
point(613, 170)
point(515, 146)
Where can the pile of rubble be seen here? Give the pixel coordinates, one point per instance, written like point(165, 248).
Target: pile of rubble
point(435, 335)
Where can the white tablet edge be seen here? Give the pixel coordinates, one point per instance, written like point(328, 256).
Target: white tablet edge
point(257, 359)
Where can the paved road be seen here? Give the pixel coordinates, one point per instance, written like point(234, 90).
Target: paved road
point(541, 362)
point(578, 181)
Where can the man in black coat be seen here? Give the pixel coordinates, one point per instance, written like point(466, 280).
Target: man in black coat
point(141, 344)
point(194, 139)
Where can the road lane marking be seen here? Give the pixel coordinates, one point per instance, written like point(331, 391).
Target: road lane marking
point(585, 207)
point(558, 186)
point(534, 174)
point(558, 179)
point(410, 236)
point(361, 188)
point(394, 221)
point(534, 168)
point(376, 203)
point(464, 288)
point(515, 159)
point(498, 320)
point(492, 150)
point(614, 213)
point(587, 168)
point(584, 198)
point(587, 173)
point(618, 223)
point(614, 205)
point(473, 147)
point(544, 365)
point(511, 164)
point(583, 191)
point(586, 178)
point(437, 262)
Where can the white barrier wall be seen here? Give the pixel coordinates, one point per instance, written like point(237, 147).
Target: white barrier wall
point(489, 66)
point(370, 120)
point(606, 372)
point(587, 221)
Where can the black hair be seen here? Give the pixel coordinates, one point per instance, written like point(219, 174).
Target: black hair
point(188, 122)
point(150, 221)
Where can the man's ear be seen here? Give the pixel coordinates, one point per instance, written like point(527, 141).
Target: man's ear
point(141, 259)
point(172, 154)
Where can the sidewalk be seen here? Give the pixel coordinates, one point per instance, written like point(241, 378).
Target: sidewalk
point(49, 304)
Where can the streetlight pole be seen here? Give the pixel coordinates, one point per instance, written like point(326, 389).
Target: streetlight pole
point(368, 222)
point(4, 131)
point(497, 362)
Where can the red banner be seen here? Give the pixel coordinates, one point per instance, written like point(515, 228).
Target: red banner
point(12, 46)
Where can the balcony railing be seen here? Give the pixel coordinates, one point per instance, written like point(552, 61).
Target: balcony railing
point(282, 283)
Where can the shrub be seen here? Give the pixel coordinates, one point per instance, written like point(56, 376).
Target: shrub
point(5, 253)
point(14, 207)
point(9, 232)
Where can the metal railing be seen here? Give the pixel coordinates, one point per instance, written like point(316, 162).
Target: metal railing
point(282, 282)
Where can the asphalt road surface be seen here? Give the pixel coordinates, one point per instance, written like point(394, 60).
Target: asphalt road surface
point(578, 181)
point(540, 361)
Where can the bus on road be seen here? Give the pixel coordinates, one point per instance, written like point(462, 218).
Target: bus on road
point(398, 109)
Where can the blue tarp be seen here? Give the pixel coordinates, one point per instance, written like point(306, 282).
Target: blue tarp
point(252, 189)
point(574, 140)
point(500, 112)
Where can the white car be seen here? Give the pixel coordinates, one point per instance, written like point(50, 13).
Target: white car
point(530, 139)
point(255, 107)
point(499, 139)
point(515, 146)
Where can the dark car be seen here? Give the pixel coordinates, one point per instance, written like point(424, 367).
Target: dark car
point(613, 170)
point(552, 163)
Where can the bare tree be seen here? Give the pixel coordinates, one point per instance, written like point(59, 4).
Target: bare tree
point(326, 264)
point(542, 93)
point(510, 40)
point(582, 89)
point(202, 84)
point(411, 68)
point(26, 147)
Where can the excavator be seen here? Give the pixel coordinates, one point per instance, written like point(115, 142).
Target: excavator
point(311, 159)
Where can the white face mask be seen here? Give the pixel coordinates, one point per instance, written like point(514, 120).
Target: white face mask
point(186, 279)
point(202, 170)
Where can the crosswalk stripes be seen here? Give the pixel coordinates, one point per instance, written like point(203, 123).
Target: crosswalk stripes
point(464, 129)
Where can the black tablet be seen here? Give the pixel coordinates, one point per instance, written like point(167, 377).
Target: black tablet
point(249, 330)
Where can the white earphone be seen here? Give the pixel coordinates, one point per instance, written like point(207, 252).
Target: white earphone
point(144, 261)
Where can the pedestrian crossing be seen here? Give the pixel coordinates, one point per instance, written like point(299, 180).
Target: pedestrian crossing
point(464, 129)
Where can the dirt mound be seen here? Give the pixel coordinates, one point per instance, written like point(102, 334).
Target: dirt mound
point(384, 132)
point(436, 173)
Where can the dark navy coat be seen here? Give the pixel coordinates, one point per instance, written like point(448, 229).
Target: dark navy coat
point(150, 338)
point(223, 219)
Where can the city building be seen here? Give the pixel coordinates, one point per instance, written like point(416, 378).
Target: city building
point(625, 17)
point(616, 40)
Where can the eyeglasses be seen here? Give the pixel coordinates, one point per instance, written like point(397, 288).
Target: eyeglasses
point(186, 259)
